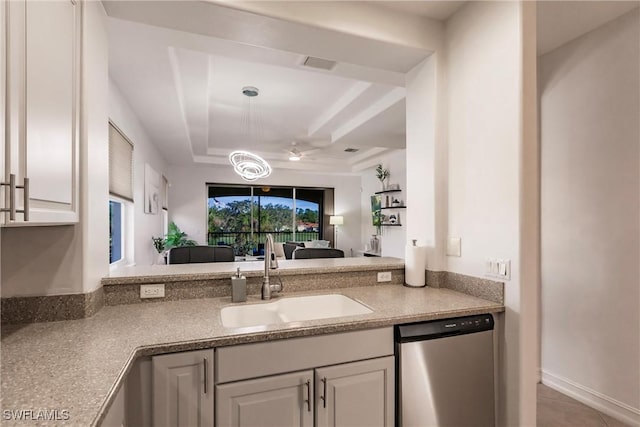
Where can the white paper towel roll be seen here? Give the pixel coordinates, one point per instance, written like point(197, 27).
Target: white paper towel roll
point(415, 264)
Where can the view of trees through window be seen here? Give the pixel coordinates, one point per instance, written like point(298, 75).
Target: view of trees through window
point(242, 216)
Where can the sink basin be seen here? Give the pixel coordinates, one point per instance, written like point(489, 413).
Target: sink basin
point(294, 309)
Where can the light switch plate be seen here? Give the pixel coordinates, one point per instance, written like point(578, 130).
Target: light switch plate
point(454, 246)
point(498, 268)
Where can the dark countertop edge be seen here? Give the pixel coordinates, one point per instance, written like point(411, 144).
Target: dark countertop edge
point(303, 331)
point(189, 277)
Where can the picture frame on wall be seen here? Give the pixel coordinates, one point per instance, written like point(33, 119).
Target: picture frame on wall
point(151, 190)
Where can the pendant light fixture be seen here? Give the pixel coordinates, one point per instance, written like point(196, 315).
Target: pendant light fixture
point(248, 165)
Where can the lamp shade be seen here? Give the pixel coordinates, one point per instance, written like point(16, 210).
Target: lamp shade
point(336, 220)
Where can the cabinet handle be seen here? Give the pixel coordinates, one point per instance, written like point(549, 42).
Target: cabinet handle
point(12, 198)
point(308, 401)
point(25, 196)
point(324, 392)
point(206, 374)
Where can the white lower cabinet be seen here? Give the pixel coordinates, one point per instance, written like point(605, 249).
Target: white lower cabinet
point(345, 379)
point(183, 392)
point(356, 394)
point(351, 394)
point(276, 401)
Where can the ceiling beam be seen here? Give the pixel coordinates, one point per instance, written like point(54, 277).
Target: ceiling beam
point(392, 97)
point(338, 107)
point(212, 20)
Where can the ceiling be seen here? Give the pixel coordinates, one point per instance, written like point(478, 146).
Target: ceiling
point(186, 89)
point(439, 10)
point(562, 21)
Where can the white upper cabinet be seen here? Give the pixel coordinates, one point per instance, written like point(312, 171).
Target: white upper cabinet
point(42, 110)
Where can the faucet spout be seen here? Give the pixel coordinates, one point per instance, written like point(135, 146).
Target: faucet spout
point(270, 263)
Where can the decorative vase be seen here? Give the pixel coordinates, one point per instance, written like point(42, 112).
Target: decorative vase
point(375, 244)
point(161, 259)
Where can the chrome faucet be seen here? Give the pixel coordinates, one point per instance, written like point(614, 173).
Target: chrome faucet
point(270, 263)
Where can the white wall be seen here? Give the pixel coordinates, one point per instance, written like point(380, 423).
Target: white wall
point(484, 50)
point(94, 187)
point(145, 225)
point(426, 157)
point(590, 104)
point(188, 198)
point(393, 239)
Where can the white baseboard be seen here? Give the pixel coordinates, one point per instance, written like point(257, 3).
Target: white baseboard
point(605, 404)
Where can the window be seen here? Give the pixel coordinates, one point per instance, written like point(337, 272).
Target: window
point(116, 247)
point(121, 197)
point(242, 216)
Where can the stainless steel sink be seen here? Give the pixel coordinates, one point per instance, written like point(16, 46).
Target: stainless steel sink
point(293, 309)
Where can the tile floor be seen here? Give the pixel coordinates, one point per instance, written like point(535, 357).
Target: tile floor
point(557, 410)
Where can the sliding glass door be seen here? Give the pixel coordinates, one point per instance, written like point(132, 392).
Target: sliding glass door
point(241, 216)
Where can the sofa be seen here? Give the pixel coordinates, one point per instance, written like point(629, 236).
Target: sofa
point(200, 254)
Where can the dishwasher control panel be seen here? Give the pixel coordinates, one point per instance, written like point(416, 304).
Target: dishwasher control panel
point(442, 328)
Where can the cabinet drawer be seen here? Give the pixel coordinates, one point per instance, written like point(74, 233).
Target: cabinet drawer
point(267, 358)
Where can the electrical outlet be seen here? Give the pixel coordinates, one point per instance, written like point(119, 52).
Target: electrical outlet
point(384, 276)
point(152, 291)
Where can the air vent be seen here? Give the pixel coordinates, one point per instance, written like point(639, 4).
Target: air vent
point(351, 150)
point(323, 64)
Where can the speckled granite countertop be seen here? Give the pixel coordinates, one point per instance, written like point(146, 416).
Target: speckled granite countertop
point(78, 365)
point(223, 270)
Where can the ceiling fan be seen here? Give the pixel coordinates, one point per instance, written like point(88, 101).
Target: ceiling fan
point(296, 153)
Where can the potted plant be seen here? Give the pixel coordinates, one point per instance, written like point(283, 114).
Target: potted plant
point(176, 237)
point(382, 174)
point(159, 245)
point(243, 246)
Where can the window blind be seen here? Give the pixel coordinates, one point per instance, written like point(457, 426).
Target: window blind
point(164, 193)
point(120, 164)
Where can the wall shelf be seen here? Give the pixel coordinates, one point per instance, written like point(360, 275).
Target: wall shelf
point(393, 207)
point(391, 225)
point(388, 191)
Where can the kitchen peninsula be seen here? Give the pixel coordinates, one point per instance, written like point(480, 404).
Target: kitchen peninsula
point(86, 378)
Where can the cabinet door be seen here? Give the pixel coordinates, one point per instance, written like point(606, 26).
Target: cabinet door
point(183, 389)
point(43, 100)
point(3, 100)
point(356, 394)
point(277, 401)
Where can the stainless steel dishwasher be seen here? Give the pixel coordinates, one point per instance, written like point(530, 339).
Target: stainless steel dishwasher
point(446, 372)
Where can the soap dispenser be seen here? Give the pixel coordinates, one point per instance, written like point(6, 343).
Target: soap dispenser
point(238, 287)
